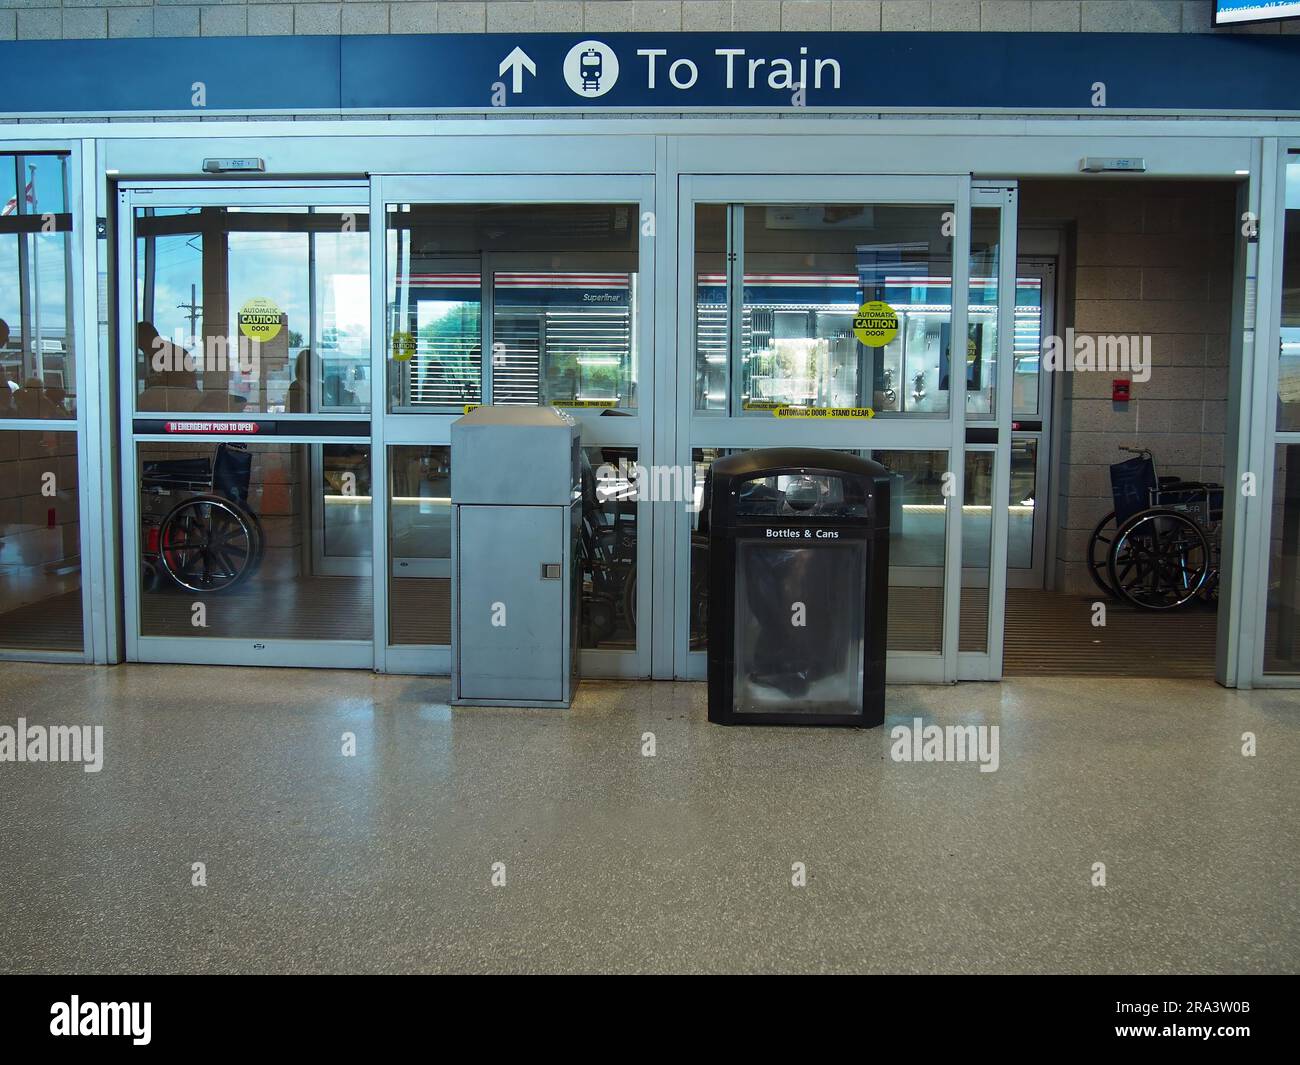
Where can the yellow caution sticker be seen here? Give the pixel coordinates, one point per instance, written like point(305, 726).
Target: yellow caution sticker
point(581, 403)
point(823, 412)
point(470, 406)
point(403, 347)
point(875, 324)
point(260, 319)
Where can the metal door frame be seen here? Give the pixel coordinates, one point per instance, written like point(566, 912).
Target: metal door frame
point(1261, 325)
point(434, 429)
point(926, 433)
point(1047, 269)
point(91, 383)
point(357, 654)
point(987, 664)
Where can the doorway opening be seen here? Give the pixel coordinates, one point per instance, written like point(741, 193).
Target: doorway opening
point(1139, 346)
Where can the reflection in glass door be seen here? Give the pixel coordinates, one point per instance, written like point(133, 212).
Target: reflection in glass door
point(42, 592)
point(488, 300)
point(1031, 425)
point(246, 388)
point(1281, 652)
point(780, 267)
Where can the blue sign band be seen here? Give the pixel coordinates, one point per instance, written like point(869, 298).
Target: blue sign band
point(679, 71)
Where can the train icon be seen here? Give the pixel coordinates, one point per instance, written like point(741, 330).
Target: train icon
point(591, 65)
point(590, 69)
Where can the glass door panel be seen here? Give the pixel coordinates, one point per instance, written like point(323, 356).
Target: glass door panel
point(419, 539)
point(37, 342)
point(249, 309)
point(805, 271)
point(780, 269)
point(1282, 611)
point(41, 520)
point(227, 532)
point(246, 383)
point(565, 335)
point(486, 299)
point(40, 541)
point(1031, 424)
point(556, 283)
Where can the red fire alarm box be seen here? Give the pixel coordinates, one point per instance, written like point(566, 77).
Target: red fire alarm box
point(1119, 390)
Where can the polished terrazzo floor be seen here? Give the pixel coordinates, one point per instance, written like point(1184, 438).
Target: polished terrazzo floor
point(615, 861)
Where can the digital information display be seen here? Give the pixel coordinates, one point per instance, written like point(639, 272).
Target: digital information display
point(1230, 12)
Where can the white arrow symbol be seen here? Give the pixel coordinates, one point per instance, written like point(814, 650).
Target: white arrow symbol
point(517, 62)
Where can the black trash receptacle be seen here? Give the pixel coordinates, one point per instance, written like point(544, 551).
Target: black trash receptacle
point(798, 588)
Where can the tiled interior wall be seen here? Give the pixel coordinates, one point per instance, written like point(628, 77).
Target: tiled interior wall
point(49, 19)
point(1151, 258)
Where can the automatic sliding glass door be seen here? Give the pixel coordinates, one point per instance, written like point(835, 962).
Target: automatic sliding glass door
point(487, 298)
point(777, 269)
point(246, 390)
point(43, 595)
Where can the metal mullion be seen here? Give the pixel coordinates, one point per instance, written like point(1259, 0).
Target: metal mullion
point(932, 434)
point(379, 392)
point(293, 652)
point(417, 429)
point(127, 477)
point(832, 188)
point(661, 428)
point(103, 423)
point(248, 194)
point(26, 317)
point(507, 189)
point(651, 602)
point(38, 425)
point(296, 438)
point(1261, 348)
point(81, 250)
point(735, 308)
point(1004, 402)
point(684, 290)
point(487, 325)
point(221, 416)
point(957, 334)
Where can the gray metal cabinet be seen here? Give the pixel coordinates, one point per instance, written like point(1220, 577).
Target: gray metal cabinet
point(511, 606)
point(516, 513)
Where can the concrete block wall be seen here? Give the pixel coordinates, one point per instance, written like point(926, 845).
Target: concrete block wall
point(1151, 258)
point(73, 19)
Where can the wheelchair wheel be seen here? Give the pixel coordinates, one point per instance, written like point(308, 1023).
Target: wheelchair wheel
point(1160, 559)
point(1103, 537)
point(209, 544)
point(1210, 589)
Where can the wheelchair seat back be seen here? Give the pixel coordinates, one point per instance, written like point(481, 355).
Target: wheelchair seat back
point(232, 469)
point(192, 474)
point(1132, 484)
